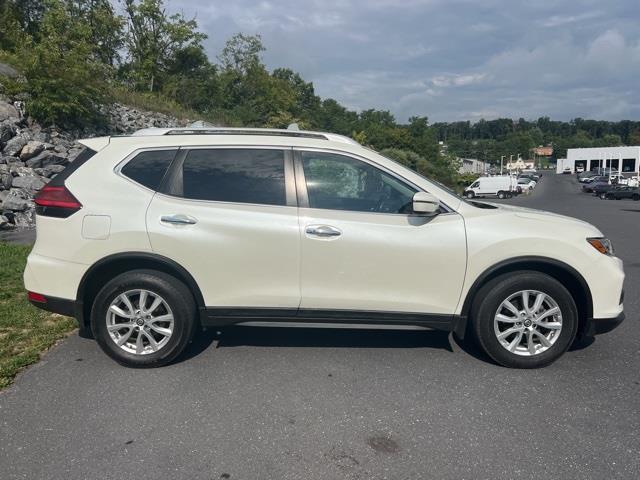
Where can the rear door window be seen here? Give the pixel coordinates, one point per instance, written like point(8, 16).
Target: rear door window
point(235, 175)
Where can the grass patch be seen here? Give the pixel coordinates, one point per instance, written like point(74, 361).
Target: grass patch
point(25, 331)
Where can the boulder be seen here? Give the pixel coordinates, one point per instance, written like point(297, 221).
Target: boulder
point(8, 111)
point(8, 71)
point(51, 170)
point(24, 219)
point(32, 183)
point(43, 137)
point(31, 149)
point(6, 179)
point(7, 131)
point(15, 145)
point(48, 157)
point(16, 201)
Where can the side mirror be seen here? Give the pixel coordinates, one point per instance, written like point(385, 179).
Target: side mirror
point(425, 204)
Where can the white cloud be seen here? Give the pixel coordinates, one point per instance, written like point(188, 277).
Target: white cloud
point(448, 59)
point(444, 81)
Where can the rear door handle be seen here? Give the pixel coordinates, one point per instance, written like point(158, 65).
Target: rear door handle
point(178, 219)
point(323, 231)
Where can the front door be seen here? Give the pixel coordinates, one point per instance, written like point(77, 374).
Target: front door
point(229, 218)
point(363, 249)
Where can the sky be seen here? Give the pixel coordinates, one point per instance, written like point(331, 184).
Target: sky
point(448, 59)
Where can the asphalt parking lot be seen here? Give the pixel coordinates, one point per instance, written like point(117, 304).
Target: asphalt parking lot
point(259, 403)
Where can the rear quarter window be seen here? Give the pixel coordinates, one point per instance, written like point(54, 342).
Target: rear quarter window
point(148, 168)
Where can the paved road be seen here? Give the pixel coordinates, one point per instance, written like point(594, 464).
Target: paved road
point(258, 403)
point(23, 236)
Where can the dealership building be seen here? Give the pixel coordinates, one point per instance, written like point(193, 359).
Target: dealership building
point(623, 159)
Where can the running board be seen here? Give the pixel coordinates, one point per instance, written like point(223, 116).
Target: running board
point(356, 326)
point(225, 316)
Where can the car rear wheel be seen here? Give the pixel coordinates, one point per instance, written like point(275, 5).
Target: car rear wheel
point(143, 318)
point(636, 197)
point(603, 196)
point(501, 195)
point(524, 319)
point(470, 194)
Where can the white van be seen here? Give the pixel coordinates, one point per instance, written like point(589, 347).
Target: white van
point(502, 187)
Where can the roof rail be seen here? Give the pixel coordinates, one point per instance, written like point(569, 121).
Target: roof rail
point(244, 131)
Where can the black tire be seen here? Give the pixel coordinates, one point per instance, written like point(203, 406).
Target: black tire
point(636, 197)
point(501, 195)
point(176, 295)
point(603, 196)
point(469, 194)
point(490, 297)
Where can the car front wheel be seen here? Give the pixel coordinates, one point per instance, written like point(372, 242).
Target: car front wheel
point(143, 318)
point(524, 319)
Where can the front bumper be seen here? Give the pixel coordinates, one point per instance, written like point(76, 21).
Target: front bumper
point(597, 326)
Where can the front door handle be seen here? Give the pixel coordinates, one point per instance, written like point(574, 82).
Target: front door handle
point(323, 231)
point(178, 219)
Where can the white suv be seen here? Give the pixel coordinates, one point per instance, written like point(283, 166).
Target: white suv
point(147, 238)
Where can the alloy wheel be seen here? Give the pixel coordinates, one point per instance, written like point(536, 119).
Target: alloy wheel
point(528, 322)
point(140, 322)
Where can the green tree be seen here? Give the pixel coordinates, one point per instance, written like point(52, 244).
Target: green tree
point(106, 28)
point(153, 40)
point(65, 81)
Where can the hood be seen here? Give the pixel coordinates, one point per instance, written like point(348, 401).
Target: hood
point(544, 216)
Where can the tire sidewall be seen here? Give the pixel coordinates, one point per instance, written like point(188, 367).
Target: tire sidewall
point(496, 291)
point(176, 295)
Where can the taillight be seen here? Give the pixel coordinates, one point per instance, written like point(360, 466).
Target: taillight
point(36, 297)
point(56, 201)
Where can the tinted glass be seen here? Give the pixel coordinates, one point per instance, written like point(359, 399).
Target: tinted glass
point(148, 168)
point(342, 183)
point(235, 175)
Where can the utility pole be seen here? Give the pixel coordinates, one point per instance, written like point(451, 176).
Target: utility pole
point(501, 159)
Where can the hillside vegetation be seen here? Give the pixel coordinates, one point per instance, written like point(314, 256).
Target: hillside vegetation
point(75, 55)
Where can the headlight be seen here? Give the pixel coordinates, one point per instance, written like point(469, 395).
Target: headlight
point(603, 245)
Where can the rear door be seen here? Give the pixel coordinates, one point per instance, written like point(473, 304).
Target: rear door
point(364, 250)
point(229, 217)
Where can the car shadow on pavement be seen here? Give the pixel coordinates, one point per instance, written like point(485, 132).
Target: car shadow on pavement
point(332, 338)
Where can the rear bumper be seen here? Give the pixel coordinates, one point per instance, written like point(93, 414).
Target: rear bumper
point(598, 326)
point(63, 306)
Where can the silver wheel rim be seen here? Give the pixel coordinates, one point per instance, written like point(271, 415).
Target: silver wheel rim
point(139, 322)
point(528, 323)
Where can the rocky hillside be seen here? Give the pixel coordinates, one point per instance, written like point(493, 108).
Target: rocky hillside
point(30, 155)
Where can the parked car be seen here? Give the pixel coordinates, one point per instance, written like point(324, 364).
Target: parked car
point(588, 184)
point(602, 188)
point(530, 176)
point(590, 187)
point(622, 192)
point(579, 169)
point(596, 172)
point(499, 186)
point(567, 171)
point(525, 185)
point(148, 238)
